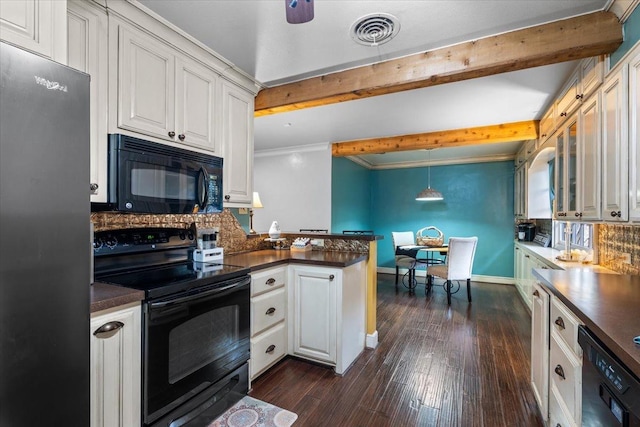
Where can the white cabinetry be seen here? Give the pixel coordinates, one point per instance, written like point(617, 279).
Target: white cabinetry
point(615, 149)
point(524, 263)
point(268, 319)
point(164, 94)
point(520, 192)
point(39, 26)
point(589, 171)
point(237, 134)
point(87, 52)
point(327, 314)
point(540, 347)
point(115, 367)
point(634, 138)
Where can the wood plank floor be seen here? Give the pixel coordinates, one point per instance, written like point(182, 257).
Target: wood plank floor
point(464, 365)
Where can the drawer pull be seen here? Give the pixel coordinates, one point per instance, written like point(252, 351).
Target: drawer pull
point(108, 329)
point(271, 281)
point(270, 311)
point(536, 294)
point(270, 348)
point(560, 322)
point(558, 370)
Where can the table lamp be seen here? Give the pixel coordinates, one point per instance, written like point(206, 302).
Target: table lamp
point(255, 204)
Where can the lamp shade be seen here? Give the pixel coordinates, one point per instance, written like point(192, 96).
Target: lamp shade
point(429, 194)
point(257, 203)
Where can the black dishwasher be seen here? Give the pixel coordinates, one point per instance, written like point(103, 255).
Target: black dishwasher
point(610, 393)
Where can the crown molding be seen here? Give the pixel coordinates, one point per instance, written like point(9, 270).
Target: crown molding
point(290, 150)
point(423, 163)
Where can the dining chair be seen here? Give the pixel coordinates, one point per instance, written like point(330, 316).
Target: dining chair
point(403, 238)
point(458, 266)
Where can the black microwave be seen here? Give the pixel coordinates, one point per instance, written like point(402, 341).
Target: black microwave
point(147, 177)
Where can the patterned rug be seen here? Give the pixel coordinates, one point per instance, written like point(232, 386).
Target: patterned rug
point(250, 412)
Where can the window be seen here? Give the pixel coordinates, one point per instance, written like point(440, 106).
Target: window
point(581, 235)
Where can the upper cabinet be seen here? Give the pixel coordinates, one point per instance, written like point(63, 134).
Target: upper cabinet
point(164, 94)
point(634, 138)
point(615, 151)
point(39, 26)
point(87, 51)
point(237, 131)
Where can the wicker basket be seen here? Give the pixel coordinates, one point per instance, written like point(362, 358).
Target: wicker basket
point(434, 241)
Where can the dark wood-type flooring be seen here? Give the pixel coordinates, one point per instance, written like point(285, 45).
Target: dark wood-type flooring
point(463, 365)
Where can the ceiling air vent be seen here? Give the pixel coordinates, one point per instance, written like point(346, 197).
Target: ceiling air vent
point(375, 29)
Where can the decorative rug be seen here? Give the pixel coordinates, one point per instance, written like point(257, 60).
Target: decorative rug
point(250, 412)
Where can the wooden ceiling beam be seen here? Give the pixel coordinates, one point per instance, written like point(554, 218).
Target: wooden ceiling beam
point(519, 131)
point(574, 38)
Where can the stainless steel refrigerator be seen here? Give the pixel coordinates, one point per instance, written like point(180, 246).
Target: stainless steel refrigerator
point(44, 242)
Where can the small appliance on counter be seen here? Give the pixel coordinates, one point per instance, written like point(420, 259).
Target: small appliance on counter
point(526, 231)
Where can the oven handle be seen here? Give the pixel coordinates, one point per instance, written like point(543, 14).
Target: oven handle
point(205, 293)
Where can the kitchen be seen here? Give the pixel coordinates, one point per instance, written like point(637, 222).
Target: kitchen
point(115, 115)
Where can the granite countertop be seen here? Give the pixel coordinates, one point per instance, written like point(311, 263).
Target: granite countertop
point(258, 260)
point(607, 304)
point(105, 296)
point(549, 255)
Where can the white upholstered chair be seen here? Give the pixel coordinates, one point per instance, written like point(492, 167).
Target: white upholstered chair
point(459, 263)
point(403, 238)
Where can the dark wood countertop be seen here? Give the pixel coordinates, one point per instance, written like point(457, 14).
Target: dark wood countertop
point(105, 296)
point(365, 237)
point(608, 304)
point(258, 260)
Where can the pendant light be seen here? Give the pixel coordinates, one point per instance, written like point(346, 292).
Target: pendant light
point(429, 194)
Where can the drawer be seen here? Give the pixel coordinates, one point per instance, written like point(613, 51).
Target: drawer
point(263, 354)
point(267, 310)
point(267, 280)
point(557, 411)
point(565, 323)
point(563, 363)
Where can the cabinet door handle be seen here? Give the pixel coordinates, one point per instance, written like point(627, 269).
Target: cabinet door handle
point(536, 294)
point(578, 214)
point(108, 329)
point(559, 371)
point(579, 97)
point(270, 282)
point(181, 137)
point(614, 214)
point(560, 322)
point(563, 114)
point(527, 256)
point(93, 186)
point(270, 311)
point(331, 277)
point(270, 348)
point(171, 134)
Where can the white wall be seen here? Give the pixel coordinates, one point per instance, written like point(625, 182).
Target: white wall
point(294, 187)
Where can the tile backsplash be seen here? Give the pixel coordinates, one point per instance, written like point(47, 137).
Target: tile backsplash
point(614, 241)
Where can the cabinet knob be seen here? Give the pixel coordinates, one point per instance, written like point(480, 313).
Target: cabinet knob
point(578, 214)
point(227, 197)
point(527, 256)
point(331, 277)
point(614, 214)
point(562, 214)
point(181, 137)
point(563, 114)
point(560, 371)
point(560, 322)
point(270, 349)
point(580, 96)
point(536, 294)
point(271, 281)
point(93, 186)
point(108, 329)
point(270, 311)
point(171, 134)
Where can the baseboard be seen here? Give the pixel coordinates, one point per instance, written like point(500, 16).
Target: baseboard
point(475, 277)
point(371, 340)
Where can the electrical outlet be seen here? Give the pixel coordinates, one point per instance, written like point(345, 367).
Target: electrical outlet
point(243, 211)
point(626, 258)
point(319, 243)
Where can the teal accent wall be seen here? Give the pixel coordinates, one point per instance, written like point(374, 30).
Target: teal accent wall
point(350, 196)
point(478, 201)
point(631, 36)
point(243, 219)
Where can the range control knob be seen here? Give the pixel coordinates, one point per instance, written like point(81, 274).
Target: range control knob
point(111, 242)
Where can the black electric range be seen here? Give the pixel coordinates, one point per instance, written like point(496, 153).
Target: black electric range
point(156, 261)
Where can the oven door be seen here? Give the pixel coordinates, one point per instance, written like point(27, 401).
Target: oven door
point(191, 341)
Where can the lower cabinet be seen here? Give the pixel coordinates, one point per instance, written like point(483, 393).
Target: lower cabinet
point(524, 262)
point(556, 360)
point(116, 337)
point(268, 319)
point(327, 314)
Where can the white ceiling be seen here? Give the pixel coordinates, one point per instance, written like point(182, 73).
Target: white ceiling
point(254, 35)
